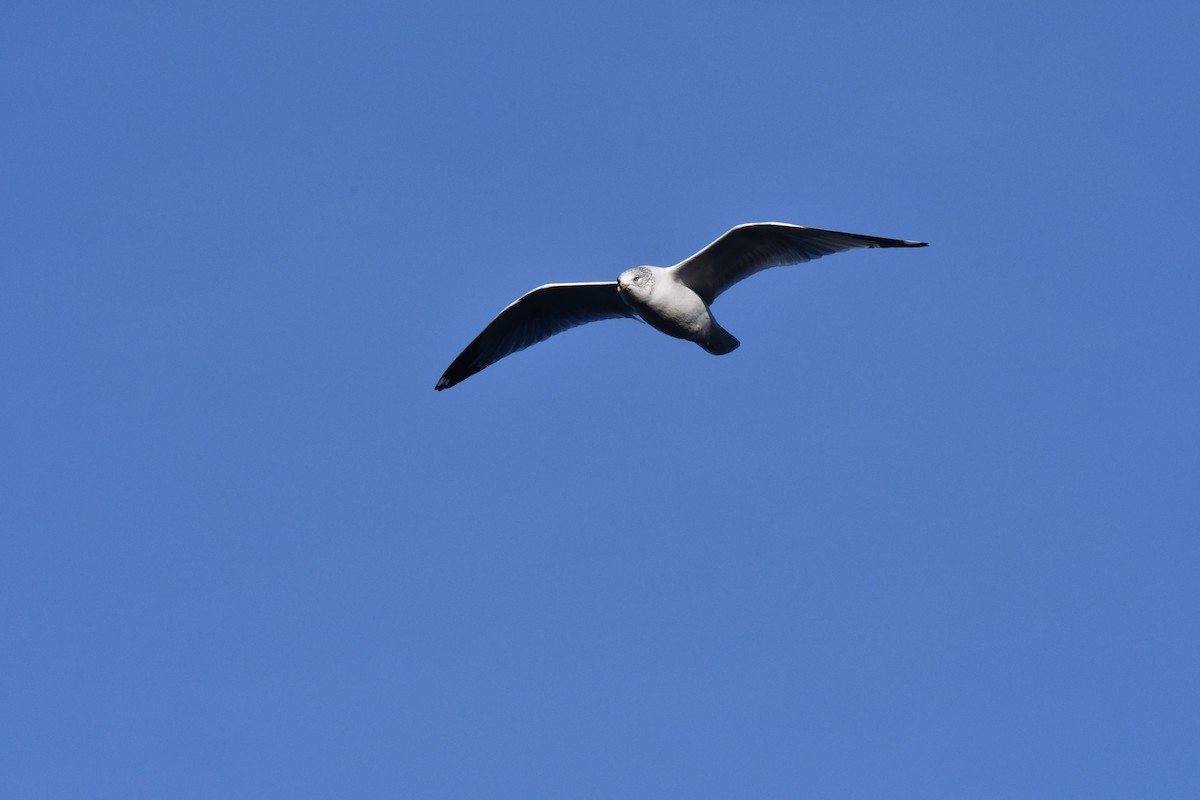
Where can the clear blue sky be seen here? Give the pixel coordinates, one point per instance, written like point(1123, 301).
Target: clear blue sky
point(932, 532)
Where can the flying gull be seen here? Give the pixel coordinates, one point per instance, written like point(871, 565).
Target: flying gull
point(675, 300)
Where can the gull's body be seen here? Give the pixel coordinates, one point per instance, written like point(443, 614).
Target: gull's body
point(675, 300)
point(661, 299)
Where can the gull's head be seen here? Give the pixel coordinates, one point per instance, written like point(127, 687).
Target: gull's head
point(637, 283)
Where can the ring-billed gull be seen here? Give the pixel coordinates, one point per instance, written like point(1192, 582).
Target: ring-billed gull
point(675, 300)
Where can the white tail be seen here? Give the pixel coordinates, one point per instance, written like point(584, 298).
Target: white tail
point(720, 341)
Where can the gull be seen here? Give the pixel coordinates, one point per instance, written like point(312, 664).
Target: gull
point(675, 300)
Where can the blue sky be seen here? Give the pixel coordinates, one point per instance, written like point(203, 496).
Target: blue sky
point(932, 531)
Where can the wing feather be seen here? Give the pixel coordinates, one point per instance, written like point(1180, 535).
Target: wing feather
point(535, 317)
point(756, 246)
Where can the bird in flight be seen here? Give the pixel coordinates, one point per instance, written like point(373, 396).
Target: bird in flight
point(675, 300)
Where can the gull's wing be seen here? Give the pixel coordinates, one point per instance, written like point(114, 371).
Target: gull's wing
point(753, 247)
point(536, 316)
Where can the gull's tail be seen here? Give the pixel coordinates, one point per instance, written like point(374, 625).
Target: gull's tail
point(720, 341)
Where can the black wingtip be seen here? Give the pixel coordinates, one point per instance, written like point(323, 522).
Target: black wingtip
point(882, 241)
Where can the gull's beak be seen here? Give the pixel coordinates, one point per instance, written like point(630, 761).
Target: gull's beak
point(621, 286)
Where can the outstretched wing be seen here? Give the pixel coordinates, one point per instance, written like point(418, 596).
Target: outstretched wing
point(753, 247)
point(536, 316)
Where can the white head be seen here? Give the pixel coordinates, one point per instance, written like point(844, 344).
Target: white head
point(639, 282)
